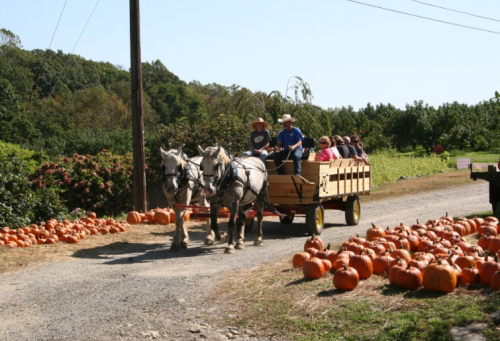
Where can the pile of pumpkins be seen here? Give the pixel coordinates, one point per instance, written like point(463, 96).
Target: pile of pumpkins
point(165, 216)
point(162, 216)
point(53, 231)
point(434, 255)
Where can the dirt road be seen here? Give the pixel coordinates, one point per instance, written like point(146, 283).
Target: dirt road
point(143, 291)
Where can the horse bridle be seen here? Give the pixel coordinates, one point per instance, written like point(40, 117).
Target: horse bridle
point(213, 178)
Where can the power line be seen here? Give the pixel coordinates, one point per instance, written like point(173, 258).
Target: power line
point(453, 10)
point(91, 14)
point(427, 18)
point(66, 63)
point(58, 21)
point(45, 58)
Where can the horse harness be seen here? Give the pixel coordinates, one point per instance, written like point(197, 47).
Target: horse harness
point(183, 176)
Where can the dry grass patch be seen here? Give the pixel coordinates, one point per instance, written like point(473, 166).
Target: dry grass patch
point(275, 299)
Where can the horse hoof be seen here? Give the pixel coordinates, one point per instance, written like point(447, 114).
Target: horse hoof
point(240, 246)
point(222, 237)
point(175, 248)
point(184, 245)
point(257, 243)
point(229, 250)
point(209, 241)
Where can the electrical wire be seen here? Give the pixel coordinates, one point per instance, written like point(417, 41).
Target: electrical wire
point(427, 18)
point(453, 10)
point(66, 63)
point(44, 59)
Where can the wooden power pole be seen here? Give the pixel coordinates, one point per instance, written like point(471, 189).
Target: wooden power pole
point(140, 202)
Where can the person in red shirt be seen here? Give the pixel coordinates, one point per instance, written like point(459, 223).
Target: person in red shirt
point(325, 154)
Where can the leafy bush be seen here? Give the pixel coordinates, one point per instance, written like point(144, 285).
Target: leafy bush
point(20, 203)
point(101, 183)
point(87, 142)
point(30, 159)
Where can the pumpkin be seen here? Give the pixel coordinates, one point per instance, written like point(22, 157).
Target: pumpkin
point(394, 270)
point(92, 215)
point(299, 258)
point(314, 242)
point(419, 264)
point(327, 265)
point(495, 281)
point(313, 268)
point(489, 267)
point(409, 278)
point(363, 265)
point(381, 264)
point(465, 261)
point(346, 278)
point(470, 275)
point(374, 232)
point(494, 244)
point(323, 254)
point(134, 217)
point(440, 277)
point(401, 253)
point(162, 217)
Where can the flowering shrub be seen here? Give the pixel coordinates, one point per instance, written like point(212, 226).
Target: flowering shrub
point(101, 183)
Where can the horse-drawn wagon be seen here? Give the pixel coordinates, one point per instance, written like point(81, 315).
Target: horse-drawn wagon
point(330, 185)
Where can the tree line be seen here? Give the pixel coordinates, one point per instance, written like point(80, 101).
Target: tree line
point(62, 104)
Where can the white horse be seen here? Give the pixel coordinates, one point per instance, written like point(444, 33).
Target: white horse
point(183, 185)
point(234, 184)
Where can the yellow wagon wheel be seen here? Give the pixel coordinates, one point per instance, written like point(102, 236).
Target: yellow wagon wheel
point(315, 219)
point(352, 211)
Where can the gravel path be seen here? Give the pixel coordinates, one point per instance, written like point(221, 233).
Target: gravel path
point(148, 292)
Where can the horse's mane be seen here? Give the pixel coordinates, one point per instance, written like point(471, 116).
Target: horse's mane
point(171, 155)
point(222, 154)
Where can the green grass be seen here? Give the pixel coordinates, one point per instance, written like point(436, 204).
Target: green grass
point(388, 168)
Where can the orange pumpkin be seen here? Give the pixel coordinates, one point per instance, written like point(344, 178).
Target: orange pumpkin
point(440, 277)
point(299, 258)
point(346, 278)
point(134, 217)
point(314, 242)
point(162, 217)
point(313, 268)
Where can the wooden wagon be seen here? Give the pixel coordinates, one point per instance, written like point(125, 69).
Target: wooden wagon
point(331, 185)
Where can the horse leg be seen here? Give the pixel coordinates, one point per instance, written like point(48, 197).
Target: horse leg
point(231, 226)
point(176, 240)
point(179, 221)
point(240, 225)
point(260, 215)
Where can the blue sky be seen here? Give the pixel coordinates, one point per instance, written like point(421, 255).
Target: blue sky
point(349, 54)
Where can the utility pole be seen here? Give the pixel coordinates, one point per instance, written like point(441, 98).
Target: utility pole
point(140, 202)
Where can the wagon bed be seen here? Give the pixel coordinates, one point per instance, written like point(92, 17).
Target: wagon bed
point(334, 184)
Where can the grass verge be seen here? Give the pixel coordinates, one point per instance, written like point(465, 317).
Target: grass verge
point(276, 300)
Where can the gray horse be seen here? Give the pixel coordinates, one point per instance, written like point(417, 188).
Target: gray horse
point(234, 184)
point(183, 185)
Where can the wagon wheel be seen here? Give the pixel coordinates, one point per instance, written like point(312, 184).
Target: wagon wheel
point(287, 219)
point(249, 224)
point(352, 211)
point(315, 219)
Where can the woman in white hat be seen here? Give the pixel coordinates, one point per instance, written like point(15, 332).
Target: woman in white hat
point(290, 139)
point(259, 139)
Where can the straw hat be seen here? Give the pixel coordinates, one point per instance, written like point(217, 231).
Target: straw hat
point(259, 120)
point(286, 118)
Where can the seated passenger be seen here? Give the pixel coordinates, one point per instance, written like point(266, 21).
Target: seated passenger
point(341, 147)
point(290, 139)
point(325, 154)
point(259, 139)
point(335, 151)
